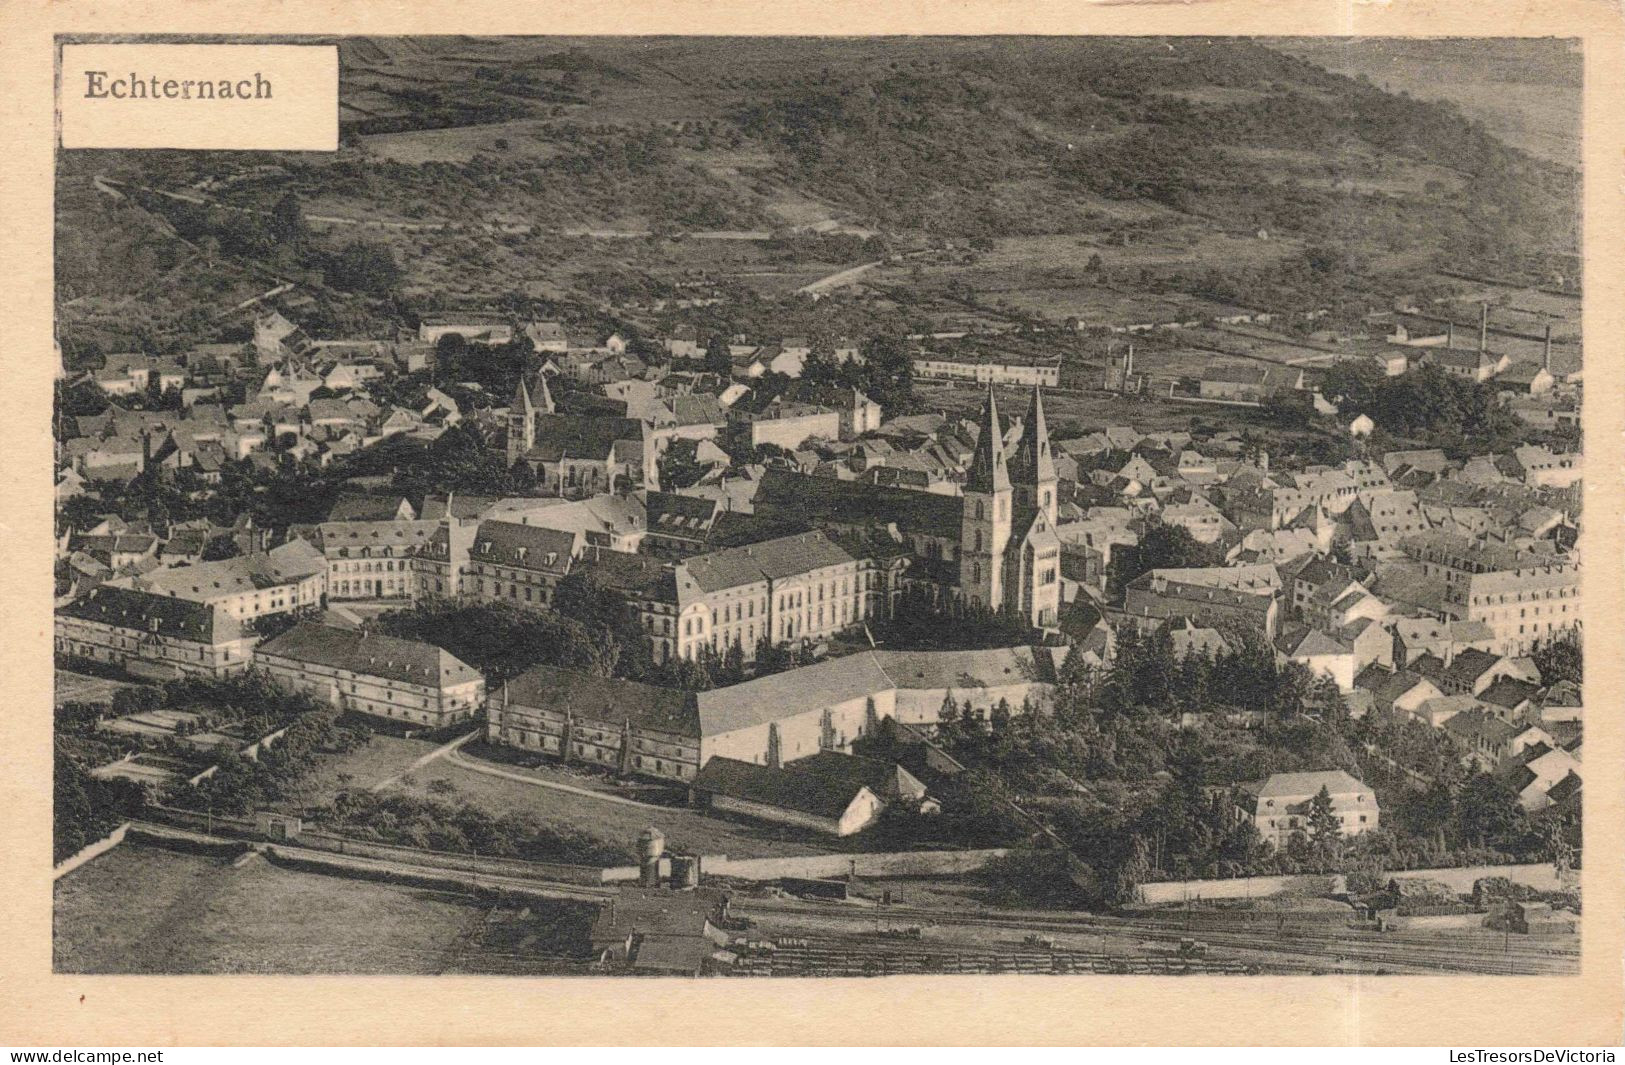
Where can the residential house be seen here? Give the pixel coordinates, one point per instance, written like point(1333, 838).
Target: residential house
point(1280, 806)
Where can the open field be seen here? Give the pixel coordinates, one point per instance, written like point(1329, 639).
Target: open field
point(146, 909)
point(458, 144)
point(83, 687)
point(616, 823)
point(360, 769)
point(1525, 91)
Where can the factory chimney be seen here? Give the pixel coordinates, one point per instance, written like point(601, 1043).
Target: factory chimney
point(1450, 334)
point(1546, 358)
point(1483, 326)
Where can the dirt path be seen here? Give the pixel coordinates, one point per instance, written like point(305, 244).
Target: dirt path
point(446, 750)
point(492, 771)
point(837, 279)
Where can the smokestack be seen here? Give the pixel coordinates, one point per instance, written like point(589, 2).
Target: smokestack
point(1546, 359)
point(1450, 334)
point(1483, 326)
point(1128, 364)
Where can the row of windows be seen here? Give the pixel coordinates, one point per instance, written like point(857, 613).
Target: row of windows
point(1496, 600)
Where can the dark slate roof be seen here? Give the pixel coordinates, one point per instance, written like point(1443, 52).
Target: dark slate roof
point(407, 661)
point(1473, 724)
point(987, 472)
point(180, 619)
point(823, 500)
point(512, 543)
point(736, 529)
point(821, 785)
point(605, 699)
point(1509, 692)
point(583, 436)
point(1471, 664)
point(639, 576)
point(462, 506)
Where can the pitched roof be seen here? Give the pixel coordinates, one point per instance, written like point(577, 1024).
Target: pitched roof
point(407, 661)
point(605, 699)
point(1509, 692)
point(587, 436)
point(987, 472)
point(290, 563)
point(798, 691)
point(770, 560)
point(1292, 785)
point(824, 785)
point(130, 608)
point(1032, 462)
point(512, 543)
point(402, 536)
point(962, 670)
point(1305, 643)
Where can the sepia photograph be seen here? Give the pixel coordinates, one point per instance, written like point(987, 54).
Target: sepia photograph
point(724, 507)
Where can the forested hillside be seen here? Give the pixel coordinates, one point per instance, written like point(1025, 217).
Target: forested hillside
point(570, 170)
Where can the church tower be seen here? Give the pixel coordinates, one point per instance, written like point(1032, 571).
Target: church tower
point(984, 529)
point(521, 423)
point(527, 403)
point(1032, 466)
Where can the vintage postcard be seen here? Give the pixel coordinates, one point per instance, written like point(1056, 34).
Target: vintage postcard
point(974, 517)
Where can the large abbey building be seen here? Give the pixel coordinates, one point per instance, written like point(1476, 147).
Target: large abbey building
point(994, 545)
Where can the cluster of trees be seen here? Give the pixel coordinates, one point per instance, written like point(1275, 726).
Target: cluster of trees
point(240, 785)
point(1161, 547)
point(1560, 659)
point(1139, 795)
point(502, 640)
point(1425, 404)
point(247, 704)
point(921, 620)
point(461, 827)
point(85, 809)
point(1147, 676)
point(885, 374)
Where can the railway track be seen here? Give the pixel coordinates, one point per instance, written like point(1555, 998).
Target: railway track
point(1411, 954)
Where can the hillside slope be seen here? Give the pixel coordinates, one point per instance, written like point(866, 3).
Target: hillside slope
point(1210, 146)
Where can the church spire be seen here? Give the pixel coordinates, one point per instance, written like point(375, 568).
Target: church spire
point(1033, 464)
point(544, 396)
point(987, 473)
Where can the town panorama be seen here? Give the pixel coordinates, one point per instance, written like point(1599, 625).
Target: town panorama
point(832, 507)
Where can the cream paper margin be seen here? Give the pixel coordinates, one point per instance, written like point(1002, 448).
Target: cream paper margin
point(44, 1010)
point(303, 116)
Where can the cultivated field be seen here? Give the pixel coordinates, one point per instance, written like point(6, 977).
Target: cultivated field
point(145, 909)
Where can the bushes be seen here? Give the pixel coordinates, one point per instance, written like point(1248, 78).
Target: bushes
point(137, 700)
point(437, 824)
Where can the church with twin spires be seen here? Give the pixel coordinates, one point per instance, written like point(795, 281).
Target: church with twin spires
point(1009, 553)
